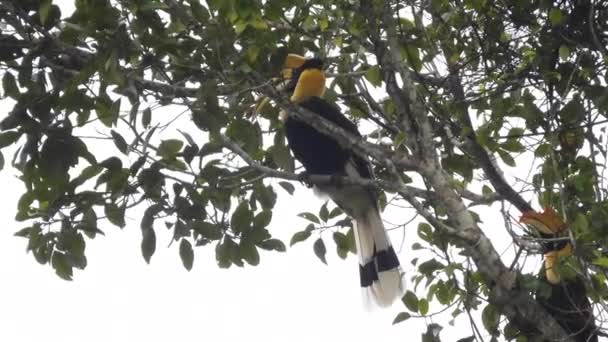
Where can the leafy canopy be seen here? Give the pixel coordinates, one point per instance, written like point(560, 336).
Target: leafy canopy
point(458, 97)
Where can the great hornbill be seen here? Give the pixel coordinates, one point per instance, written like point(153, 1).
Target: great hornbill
point(567, 301)
point(321, 154)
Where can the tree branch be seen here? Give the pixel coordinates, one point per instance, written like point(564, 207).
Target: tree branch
point(322, 179)
point(344, 138)
point(496, 275)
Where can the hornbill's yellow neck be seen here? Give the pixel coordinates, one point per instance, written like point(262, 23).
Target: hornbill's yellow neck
point(310, 83)
point(551, 262)
point(304, 79)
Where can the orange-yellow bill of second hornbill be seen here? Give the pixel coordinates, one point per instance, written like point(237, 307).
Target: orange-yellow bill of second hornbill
point(321, 154)
point(567, 302)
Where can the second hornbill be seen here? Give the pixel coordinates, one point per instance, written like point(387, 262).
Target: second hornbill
point(567, 301)
point(321, 154)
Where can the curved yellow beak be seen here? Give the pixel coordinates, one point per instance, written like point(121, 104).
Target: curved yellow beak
point(292, 61)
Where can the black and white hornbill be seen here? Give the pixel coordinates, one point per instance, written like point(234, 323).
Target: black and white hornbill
point(320, 154)
point(567, 302)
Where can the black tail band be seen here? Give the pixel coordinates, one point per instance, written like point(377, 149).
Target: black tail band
point(382, 261)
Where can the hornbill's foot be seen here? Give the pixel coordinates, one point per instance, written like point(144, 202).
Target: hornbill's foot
point(303, 178)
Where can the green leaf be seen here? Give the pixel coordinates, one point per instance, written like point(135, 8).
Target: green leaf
point(542, 150)
point(186, 254)
point(1, 161)
point(62, 267)
point(262, 219)
point(288, 187)
point(564, 53)
point(602, 261)
point(246, 134)
point(176, 26)
point(459, 164)
point(282, 157)
point(241, 218)
point(342, 244)
point(335, 212)
point(299, 237)
point(323, 23)
point(107, 112)
point(506, 158)
point(45, 7)
point(189, 153)
point(199, 12)
point(240, 26)
point(168, 149)
point(273, 245)
point(573, 112)
point(10, 85)
point(324, 213)
point(310, 217)
point(223, 251)
point(89, 223)
point(9, 138)
point(24, 232)
point(319, 248)
point(250, 253)
point(399, 139)
point(209, 230)
point(402, 316)
point(423, 306)
point(510, 332)
point(146, 117)
point(490, 316)
point(428, 267)
point(425, 232)
point(133, 112)
point(555, 16)
point(266, 196)
point(580, 224)
point(373, 76)
point(119, 141)
point(413, 57)
point(115, 214)
point(513, 145)
point(35, 240)
point(148, 244)
point(72, 242)
point(208, 115)
point(411, 301)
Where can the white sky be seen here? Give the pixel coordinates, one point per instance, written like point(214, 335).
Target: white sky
point(289, 296)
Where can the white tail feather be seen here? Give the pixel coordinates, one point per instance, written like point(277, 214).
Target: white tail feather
point(371, 238)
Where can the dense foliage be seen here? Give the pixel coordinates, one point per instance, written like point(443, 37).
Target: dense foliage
point(457, 97)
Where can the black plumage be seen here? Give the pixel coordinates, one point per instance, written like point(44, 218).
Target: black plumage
point(568, 303)
point(321, 154)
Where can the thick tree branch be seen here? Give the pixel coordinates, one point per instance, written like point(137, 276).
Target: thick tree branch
point(325, 179)
point(496, 275)
point(344, 138)
point(478, 152)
